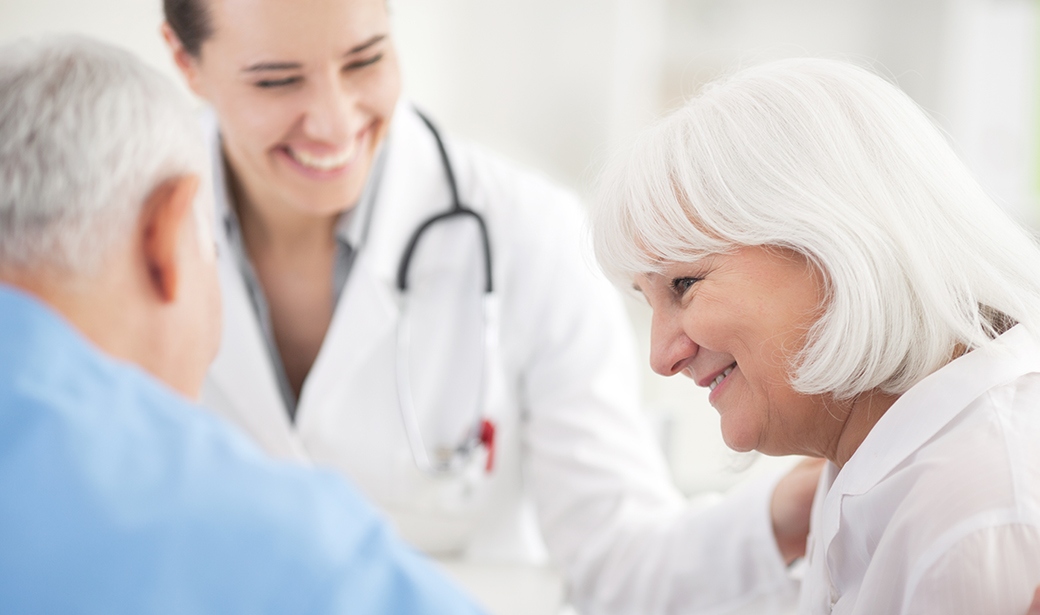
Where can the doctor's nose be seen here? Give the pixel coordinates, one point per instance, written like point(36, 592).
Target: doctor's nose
point(671, 350)
point(330, 113)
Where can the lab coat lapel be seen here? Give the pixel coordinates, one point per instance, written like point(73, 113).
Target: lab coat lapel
point(363, 319)
point(242, 367)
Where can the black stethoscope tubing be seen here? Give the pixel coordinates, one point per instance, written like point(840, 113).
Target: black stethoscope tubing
point(457, 210)
point(482, 433)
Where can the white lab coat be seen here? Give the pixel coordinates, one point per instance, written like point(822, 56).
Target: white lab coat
point(938, 511)
point(575, 462)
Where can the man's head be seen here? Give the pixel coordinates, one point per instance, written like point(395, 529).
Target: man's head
point(100, 165)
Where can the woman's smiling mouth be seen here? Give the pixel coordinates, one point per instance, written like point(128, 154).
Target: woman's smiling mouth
point(718, 379)
point(331, 162)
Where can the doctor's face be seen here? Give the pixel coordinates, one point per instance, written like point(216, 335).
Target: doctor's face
point(734, 323)
point(304, 90)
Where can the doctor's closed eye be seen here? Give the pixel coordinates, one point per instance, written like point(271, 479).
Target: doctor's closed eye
point(293, 79)
point(275, 83)
point(363, 63)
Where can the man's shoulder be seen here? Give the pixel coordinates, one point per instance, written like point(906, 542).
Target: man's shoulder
point(100, 454)
point(119, 479)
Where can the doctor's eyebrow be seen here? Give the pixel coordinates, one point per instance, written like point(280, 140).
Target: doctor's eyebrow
point(363, 46)
point(260, 67)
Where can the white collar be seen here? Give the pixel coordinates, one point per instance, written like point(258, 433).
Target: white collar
point(934, 402)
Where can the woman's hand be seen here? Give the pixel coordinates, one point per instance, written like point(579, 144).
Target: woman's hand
point(791, 505)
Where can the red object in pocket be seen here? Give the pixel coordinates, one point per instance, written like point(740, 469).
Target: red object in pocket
point(487, 438)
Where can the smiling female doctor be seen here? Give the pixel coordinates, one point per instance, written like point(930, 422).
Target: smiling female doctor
point(487, 425)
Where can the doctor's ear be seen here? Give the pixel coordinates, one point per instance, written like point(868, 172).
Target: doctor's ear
point(186, 63)
point(166, 223)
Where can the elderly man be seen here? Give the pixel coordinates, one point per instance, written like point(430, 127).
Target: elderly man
point(119, 494)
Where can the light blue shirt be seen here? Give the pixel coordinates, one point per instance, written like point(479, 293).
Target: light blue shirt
point(117, 496)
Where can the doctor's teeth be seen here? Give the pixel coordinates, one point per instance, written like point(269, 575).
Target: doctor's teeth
point(720, 378)
point(323, 163)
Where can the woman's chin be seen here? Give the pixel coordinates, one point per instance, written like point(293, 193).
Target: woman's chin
point(739, 442)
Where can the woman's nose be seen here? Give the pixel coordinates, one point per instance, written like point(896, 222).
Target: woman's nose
point(330, 113)
point(671, 350)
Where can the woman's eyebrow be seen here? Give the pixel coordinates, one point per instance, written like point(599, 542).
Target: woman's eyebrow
point(260, 67)
point(363, 46)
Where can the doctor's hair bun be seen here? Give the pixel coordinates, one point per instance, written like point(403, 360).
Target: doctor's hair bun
point(190, 20)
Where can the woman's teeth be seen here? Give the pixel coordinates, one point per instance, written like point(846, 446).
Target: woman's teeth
point(324, 163)
point(720, 377)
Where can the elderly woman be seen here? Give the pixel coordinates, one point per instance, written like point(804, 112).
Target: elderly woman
point(817, 256)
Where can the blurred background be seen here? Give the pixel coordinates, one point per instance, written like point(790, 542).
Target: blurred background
point(557, 84)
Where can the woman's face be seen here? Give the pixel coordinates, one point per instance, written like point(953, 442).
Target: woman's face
point(304, 90)
point(733, 323)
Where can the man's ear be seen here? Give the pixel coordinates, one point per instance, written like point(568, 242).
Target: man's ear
point(167, 218)
point(187, 63)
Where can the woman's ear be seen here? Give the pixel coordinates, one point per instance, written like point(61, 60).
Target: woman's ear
point(186, 63)
point(166, 222)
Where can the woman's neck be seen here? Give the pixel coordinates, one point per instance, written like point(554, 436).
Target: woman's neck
point(863, 413)
point(293, 255)
point(274, 227)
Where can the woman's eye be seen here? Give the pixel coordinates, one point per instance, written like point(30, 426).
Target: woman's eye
point(277, 83)
point(364, 63)
point(681, 285)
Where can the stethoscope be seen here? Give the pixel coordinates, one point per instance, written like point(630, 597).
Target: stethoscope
point(451, 460)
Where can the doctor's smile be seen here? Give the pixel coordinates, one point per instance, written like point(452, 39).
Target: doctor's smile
point(333, 162)
point(304, 98)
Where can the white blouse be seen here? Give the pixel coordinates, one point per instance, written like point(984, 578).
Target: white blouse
point(938, 511)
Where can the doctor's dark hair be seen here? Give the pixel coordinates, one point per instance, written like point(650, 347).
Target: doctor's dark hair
point(190, 21)
point(87, 132)
point(833, 162)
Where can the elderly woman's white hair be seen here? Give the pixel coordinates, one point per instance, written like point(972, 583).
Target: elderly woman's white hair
point(831, 161)
point(86, 132)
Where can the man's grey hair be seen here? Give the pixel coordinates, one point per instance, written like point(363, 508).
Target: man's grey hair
point(87, 132)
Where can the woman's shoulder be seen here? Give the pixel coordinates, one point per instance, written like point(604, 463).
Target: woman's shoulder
point(981, 470)
point(965, 501)
point(989, 451)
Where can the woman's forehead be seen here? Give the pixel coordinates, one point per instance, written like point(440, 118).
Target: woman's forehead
point(295, 30)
